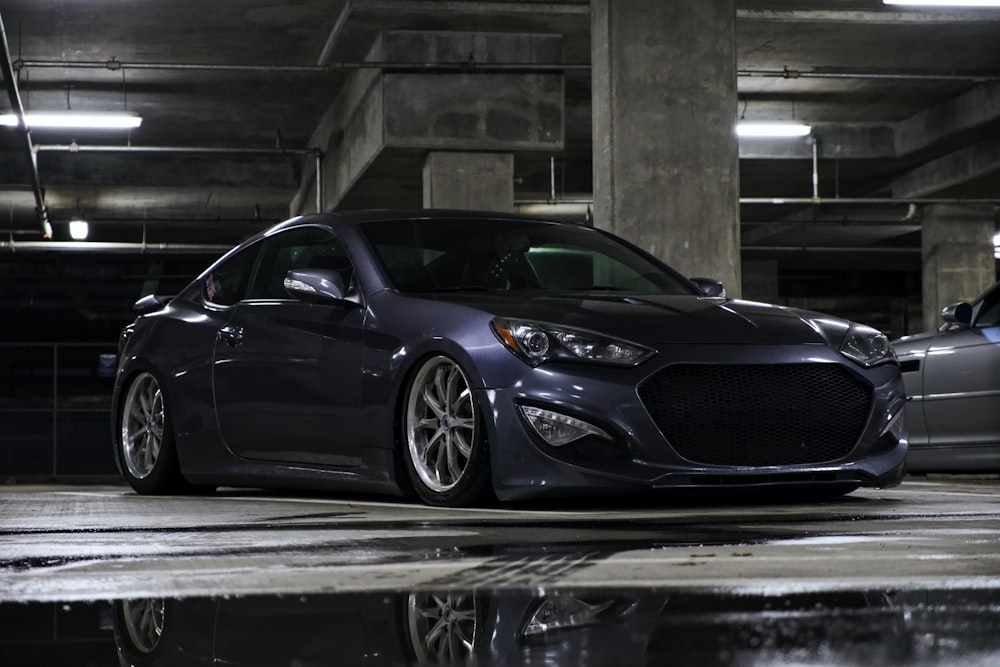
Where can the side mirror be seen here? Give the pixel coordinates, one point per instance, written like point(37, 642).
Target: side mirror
point(958, 313)
point(315, 285)
point(710, 287)
point(151, 302)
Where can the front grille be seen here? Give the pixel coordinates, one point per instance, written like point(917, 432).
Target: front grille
point(758, 415)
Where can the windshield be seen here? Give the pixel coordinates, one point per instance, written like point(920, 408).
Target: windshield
point(431, 255)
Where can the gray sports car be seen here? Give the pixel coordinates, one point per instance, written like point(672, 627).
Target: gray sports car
point(460, 357)
point(952, 377)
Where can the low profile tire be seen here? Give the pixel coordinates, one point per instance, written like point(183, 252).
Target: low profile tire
point(445, 447)
point(146, 440)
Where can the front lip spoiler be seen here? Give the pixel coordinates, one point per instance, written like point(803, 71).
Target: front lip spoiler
point(762, 480)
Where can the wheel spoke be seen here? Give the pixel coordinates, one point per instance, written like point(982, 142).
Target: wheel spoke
point(463, 447)
point(441, 463)
point(462, 399)
point(455, 466)
point(437, 635)
point(432, 401)
point(135, 412)
point(148, 458)
point(464, 423)
point(143, 402)
point(450, 386)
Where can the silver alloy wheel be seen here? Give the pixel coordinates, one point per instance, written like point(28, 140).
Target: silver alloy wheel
point(144, 623)
point(142, 426)
point(441, 425)
point(442, 628)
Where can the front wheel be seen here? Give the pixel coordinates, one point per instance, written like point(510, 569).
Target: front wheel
point(446, 450)
point(146, 441)
point(442, 629)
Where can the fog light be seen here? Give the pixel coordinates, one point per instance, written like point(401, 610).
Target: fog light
point(559, 429)
point(895, 425)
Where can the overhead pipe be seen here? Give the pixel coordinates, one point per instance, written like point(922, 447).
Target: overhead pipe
point(800, 201)
point(815, 174)
point(466, 66)
point(871, 250)
point(113, 247)
point(786, 73)
point(145, 247)
point(470, 65)
point(865, 201)
point(14, 95)
point(207, 150)
point(319, 181)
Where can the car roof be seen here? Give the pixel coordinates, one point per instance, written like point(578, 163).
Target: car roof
point(431, 213)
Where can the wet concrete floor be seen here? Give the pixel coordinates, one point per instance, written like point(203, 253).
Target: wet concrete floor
point(99, 575)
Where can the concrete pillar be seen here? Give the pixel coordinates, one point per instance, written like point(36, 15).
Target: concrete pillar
point(957, 249)
point(760, 280)
point(666, 157)
point(466, 180)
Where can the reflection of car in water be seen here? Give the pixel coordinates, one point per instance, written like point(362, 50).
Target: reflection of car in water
point(592, 628)
point(446, 628)
point(952, 377)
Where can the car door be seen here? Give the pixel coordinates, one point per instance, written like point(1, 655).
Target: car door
point(961, 379)
point(287, 374)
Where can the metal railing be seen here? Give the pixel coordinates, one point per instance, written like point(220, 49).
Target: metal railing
point(55, 409)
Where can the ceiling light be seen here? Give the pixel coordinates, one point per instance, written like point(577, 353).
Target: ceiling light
point(78, 230)
point(749, 129)
point(945, 3)
point(73, 119)
point(996, 245)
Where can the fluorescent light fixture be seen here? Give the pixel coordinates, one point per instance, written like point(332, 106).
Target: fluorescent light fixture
point(773, 129)
point(73, 119)
point(996, 245)
point(78, 230)
point(945, 3)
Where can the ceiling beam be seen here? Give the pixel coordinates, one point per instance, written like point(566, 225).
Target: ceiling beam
point(870, 17)
point(951, 170)
point(971, 109)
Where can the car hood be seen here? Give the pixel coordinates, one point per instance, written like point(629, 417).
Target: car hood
point(657, 320)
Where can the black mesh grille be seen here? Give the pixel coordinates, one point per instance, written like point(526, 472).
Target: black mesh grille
point(758, 415)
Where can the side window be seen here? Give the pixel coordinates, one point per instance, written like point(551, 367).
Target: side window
point(989, 311)
point(304, 248)
point(226, 284)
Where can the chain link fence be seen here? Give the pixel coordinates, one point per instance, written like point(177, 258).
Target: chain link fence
point(55, 409)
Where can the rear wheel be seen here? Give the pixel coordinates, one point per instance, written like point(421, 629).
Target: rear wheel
point(146, 442)
point(445, 447)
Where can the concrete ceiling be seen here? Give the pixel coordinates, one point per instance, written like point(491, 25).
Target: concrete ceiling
point(905, 105)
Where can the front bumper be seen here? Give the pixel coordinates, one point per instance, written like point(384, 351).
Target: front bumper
point(641, 459)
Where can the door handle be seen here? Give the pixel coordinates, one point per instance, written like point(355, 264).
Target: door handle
point(232, 335)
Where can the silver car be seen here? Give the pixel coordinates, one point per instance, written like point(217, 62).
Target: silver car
point(952, 378)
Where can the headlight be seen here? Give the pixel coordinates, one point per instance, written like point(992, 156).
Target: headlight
point(538, 342)
point(866, 346)
point(558, 429)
